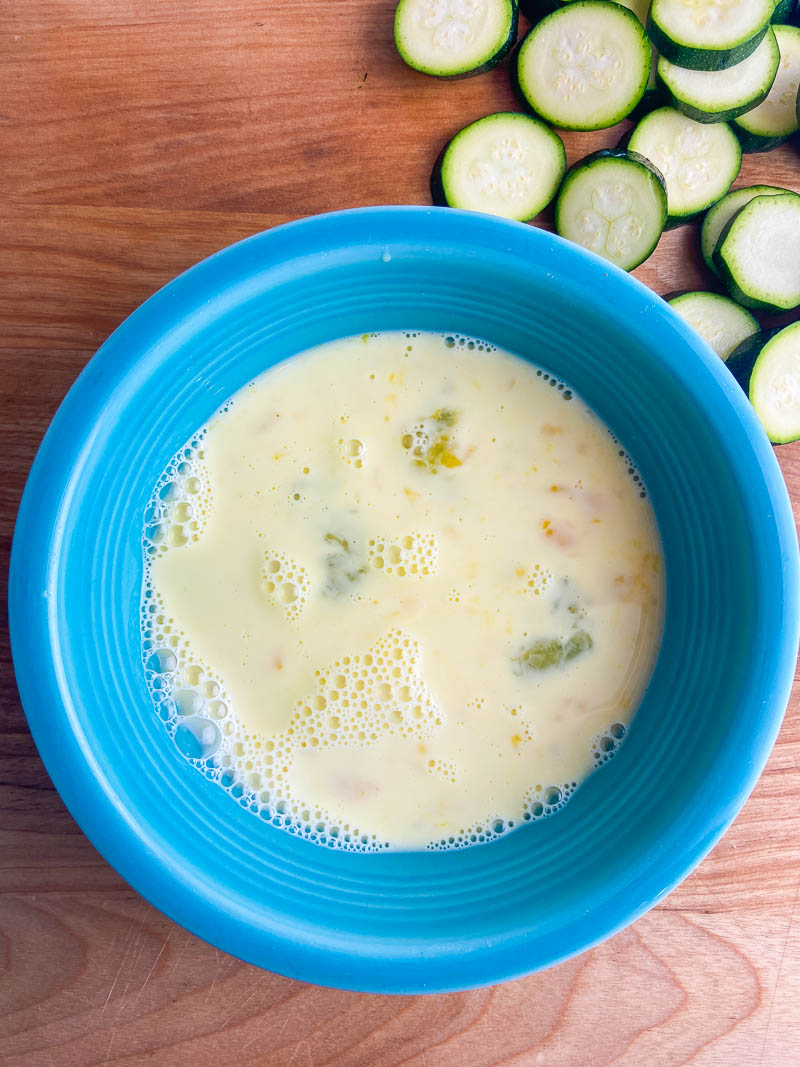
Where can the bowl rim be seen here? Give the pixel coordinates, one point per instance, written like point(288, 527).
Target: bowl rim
point(89, 795)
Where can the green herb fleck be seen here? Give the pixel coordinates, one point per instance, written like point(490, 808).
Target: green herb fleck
point(544, 653)
point(552, 652)
point(337, 539)
point(430, 445)
point(579, 642)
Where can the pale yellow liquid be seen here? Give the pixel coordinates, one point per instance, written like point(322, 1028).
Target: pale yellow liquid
point(414, 585)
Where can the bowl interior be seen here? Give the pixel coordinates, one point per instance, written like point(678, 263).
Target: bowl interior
point(403, 922)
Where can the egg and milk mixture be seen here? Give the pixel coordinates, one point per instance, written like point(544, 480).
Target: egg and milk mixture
point(402, 591)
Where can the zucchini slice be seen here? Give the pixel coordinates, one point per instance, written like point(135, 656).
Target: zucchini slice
point(615, 204)
point(709, 34)
point(718, 216)
point(720, 95)
point(505, 164)
point(721, 323)
point(769, 124)
point(454, 38)
point(758, 253)
point(585, 67)
point(768, 369)
point(699, 161)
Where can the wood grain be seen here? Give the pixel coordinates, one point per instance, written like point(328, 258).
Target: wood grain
point(136, 137)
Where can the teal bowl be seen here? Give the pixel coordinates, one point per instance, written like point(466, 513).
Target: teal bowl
point(415, 921)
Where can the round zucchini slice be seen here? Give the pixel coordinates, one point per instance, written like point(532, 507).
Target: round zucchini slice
point(454, 38)
point(615, 204)
point(768, 369)
point(505, 164)
point(758, 253)
point(585, 67)
point(721, 95)
point(711, 34)
point(718, 216)
point(776, 118)
point(699, 161)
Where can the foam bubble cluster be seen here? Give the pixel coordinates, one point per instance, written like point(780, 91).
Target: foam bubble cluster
point(458, 340)
point(538, 580)
point(285, 583)
point(606, 745)
point(178, 509)
point(414, 555)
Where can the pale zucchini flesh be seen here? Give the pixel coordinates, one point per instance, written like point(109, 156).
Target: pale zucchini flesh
point(454, 38)
point(505, 164)
point(584, 67)
point(708, 34)
point(718, 216)
point(776, 117)
point(722, 324)
point(615, 204)
point(699, 161)
point(721, 95)
point(758, 253)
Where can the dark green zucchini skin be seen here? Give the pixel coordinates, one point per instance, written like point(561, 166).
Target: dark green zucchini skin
point(490, 63)
point(756, 142)
point(724, 116)
point(621, 152)
point(535, 10)
point(653, 99)
point(784, 10)
point(701, 58)
point(699, 115)
point(437, 187)
point(742, 360)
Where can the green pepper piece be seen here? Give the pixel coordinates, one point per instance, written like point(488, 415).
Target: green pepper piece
point(579, 642)
point(544, 653)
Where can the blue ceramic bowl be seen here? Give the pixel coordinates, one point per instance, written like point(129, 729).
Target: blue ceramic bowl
point(430, 920)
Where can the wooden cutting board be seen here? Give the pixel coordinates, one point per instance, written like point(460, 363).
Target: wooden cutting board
point(136, 137)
